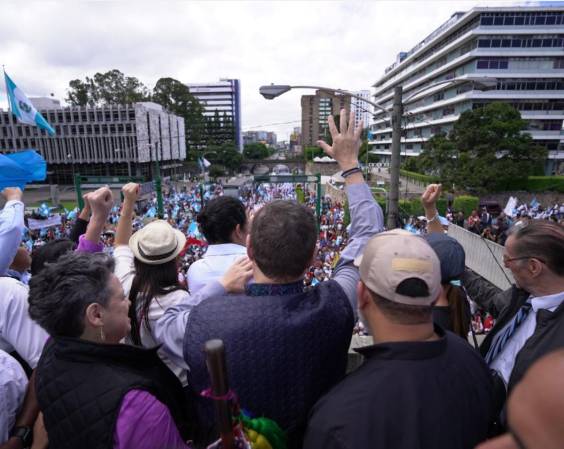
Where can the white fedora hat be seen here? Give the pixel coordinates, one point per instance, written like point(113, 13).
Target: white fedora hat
point(157, 243)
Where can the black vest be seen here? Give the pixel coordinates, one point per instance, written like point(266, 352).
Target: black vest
point(80, 386)
point(283, 350)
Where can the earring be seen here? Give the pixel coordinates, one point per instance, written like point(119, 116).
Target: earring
point(102, 336)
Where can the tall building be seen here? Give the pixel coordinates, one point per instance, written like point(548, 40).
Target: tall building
point(105, 141)
point(315, 111)
point(266, 137)
point(361, 109)
point(509, 54)
point(223, 98)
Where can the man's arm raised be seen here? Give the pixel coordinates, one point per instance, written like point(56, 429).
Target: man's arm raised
point(367, 218)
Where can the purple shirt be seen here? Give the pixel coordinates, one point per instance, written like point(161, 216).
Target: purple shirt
point(86, 246)
point(146, 423)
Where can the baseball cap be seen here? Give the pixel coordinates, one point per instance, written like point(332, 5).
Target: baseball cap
point(450, 253)
point(391, 257)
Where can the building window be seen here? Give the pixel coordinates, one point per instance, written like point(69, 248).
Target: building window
point(492, 63)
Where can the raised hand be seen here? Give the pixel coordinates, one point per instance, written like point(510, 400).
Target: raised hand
point(430, 196)
point(130, 192)
point(101, 202)
point(12, 193)
point(346, 143)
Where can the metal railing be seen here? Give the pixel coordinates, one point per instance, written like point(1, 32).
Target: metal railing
point(483, 257)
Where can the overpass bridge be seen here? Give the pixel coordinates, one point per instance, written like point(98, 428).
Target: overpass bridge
point(265, 166)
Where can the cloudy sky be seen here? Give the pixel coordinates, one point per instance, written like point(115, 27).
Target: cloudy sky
point(343, 44)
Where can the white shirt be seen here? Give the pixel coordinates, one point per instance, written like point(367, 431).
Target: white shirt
point(505, 360)
point(213, 265)
point(125, 272)
point(11, 229)
point(17, 330)
point(13, 383)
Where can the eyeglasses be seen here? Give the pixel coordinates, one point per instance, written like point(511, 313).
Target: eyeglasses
point(507, 260)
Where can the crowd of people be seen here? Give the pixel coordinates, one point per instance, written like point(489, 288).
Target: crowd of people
point(102, 327)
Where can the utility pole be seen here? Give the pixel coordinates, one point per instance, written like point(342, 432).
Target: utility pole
point(397, 112)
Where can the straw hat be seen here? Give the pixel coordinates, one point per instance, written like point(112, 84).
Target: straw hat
point(157, 243)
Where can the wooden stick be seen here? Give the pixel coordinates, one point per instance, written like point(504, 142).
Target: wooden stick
point(215, 361)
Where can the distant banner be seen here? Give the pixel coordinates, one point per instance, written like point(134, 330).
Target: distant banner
point(54, 220)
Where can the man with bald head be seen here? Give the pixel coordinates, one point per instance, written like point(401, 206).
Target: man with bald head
point(536, 408)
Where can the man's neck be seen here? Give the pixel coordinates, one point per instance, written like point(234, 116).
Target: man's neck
point(260, 278)
point(391, 332)
point(547, 287)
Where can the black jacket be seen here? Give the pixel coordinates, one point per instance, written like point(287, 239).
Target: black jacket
point(407, 395)
point(80, 386)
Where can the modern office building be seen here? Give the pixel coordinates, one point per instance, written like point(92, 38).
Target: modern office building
point(112, 140)
point(509, 54)
point(361, 109)
point(266, 137)
point(223, 98)
point(315, 111)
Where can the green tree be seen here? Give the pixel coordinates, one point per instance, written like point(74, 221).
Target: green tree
point(485, 150)
point(111, 87)
point(312, 152)
point(225, 154)
point(175, 97)
point(256, 150)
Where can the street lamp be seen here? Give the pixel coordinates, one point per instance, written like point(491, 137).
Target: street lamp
point(128, 159)
point(274, 90)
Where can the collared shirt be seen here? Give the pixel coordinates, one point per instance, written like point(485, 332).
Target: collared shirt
point(216, 261)
point(367, 220)
point(505, 360)
point(13, 383)
point(11, 230)
point(17, 330)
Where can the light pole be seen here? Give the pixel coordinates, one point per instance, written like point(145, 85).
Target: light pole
point(119, 150)
point(158, 181)
point(274, 90)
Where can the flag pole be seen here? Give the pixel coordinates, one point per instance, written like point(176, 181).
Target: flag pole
point(10, 113)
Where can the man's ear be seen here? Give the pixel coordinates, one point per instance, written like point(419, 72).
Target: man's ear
point(535, 267)
point(363, 296)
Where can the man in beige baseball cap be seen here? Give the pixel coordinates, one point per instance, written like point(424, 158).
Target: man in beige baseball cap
point(419, 386)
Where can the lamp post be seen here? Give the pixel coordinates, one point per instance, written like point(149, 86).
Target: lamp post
point(128, 159)
point(157, 180)
point(274, 90)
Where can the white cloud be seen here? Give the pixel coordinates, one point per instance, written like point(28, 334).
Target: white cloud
point(344, 44)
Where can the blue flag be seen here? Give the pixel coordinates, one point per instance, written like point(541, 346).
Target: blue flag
point(23, 109)
point(18, 169)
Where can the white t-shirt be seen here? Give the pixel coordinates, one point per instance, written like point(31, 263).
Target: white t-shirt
point(125, 272)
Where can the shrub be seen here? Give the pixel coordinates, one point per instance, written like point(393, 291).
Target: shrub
point(426, 179)
point(466, 204)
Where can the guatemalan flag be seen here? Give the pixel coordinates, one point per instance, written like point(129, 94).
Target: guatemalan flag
point(23, 109)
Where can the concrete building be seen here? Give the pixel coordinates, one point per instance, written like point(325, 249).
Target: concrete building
point(361, 109)
point(223, 97)
point(509, 54)
point(266, 137)
point(105, 141)
point(315, 111)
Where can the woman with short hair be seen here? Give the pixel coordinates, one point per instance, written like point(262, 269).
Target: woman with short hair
point(93, 391)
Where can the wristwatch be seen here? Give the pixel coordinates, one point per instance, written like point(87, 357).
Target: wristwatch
point(23, 433)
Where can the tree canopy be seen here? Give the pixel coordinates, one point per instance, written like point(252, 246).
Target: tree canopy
point(485, 150)
point(111, 87)
point(256, 151)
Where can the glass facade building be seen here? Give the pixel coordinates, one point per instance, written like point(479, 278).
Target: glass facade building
point(508, 54)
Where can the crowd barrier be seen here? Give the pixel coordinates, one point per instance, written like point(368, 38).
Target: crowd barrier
point(483, 257)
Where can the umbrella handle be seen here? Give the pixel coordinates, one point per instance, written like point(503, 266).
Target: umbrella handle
point(215, 361)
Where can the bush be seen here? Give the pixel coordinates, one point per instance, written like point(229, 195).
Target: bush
point(215, 171)
point(545, 183)
point(466, 204)
point(426, 179)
